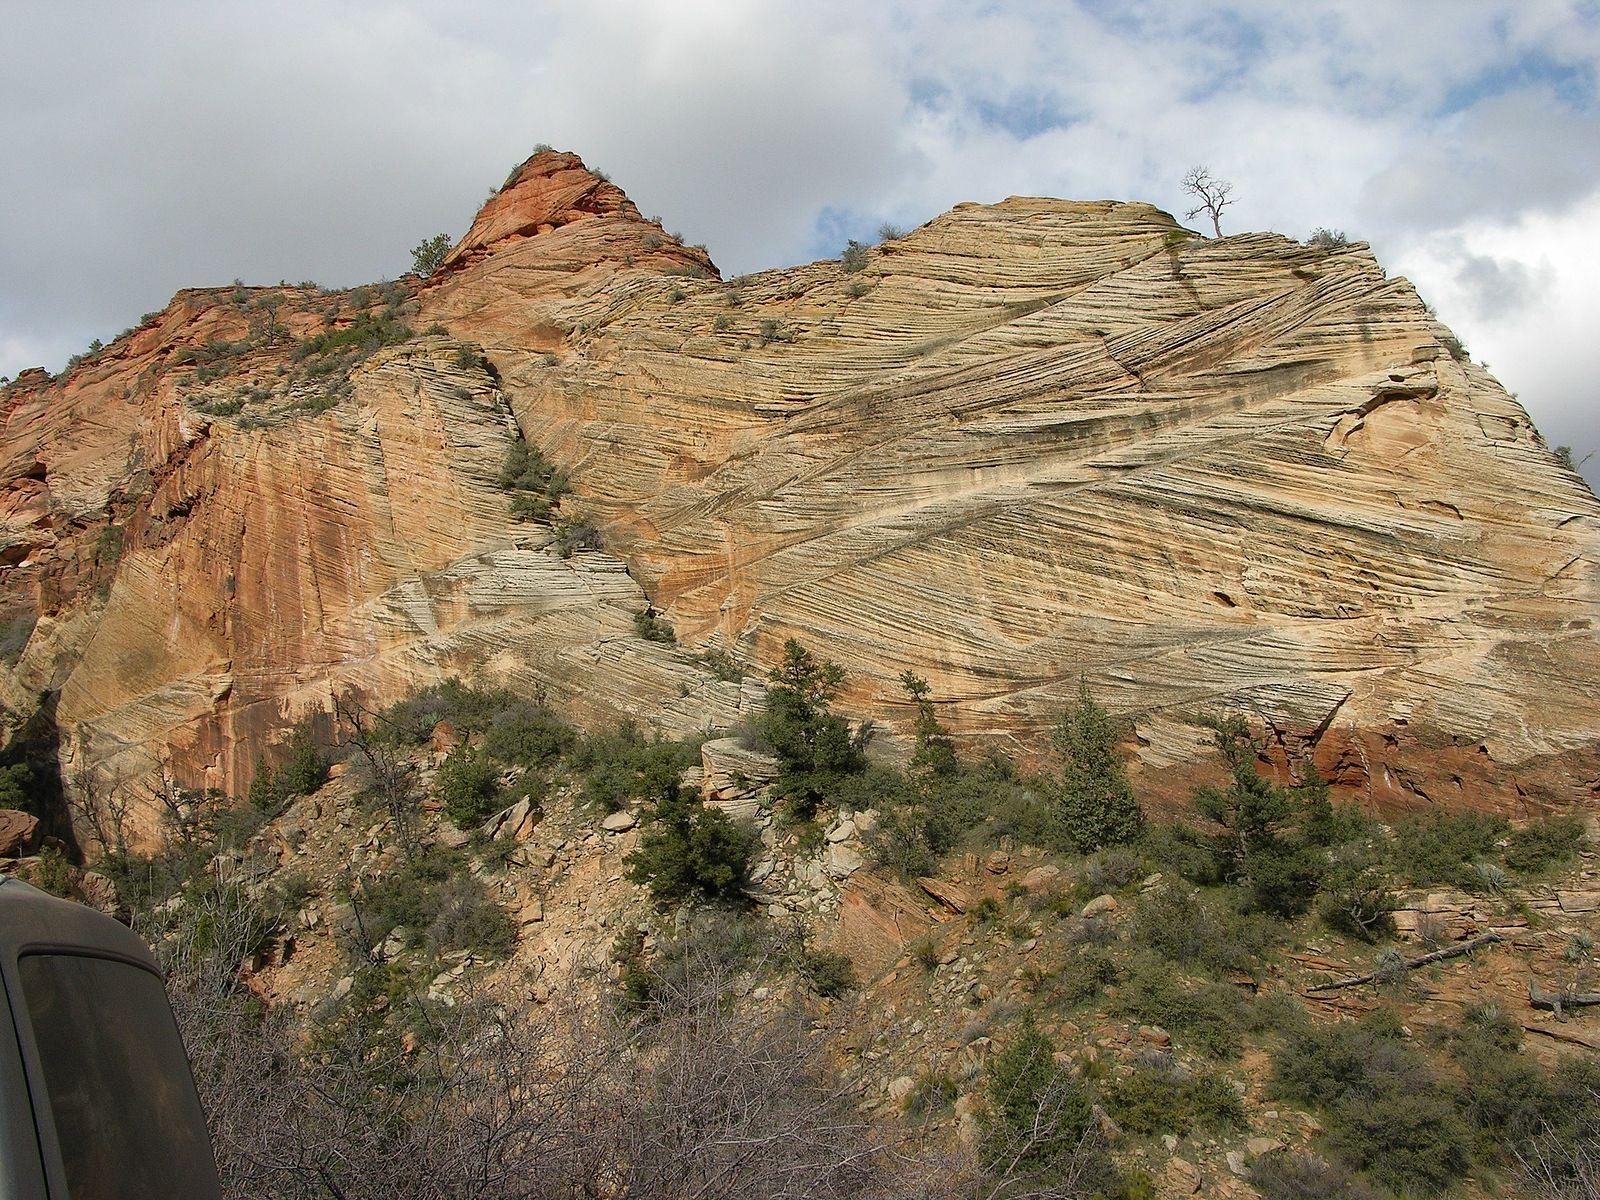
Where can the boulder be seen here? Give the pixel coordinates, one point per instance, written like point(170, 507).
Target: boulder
point(952, 895)
point(1180, 1177)
point(1041, 879)
point(731, 770)
point(19, 832)
point(450, 837)
point(619, 822)
point(1099, 906)
point(842, 860)
point(516, 822)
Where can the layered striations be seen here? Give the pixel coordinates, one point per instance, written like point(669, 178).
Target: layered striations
point(1026, 443)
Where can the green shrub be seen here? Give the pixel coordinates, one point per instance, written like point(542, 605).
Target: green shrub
point(1084, 975)
point(1544, 844)
point(652, 628)
point(303, 772)
point(935, 751)
point(365, 335)
point(1388, 1113)
point(986, 911)
point(1327, 239)
point(1295, 1175)
point(468, 787)
point(307, 767)
point(624, 766)
point(429, 254)
point(722, 664)
point(16, 787)
point(713, 947)
point(523, 733)
point(408, 895)
point(1110, 870)
point(535, 485)
point(1037, 1113)
point(1414, 1144)
point(1441, 847)
point(431, 893)
point(1356, 898)
point(854, 257)
point(468, 919)
point(574, 534)
point(1179, 849)
point(829, 973)
point(689, 850)
point(1203, 929)
point(933, 1092)
point(52, 873)
point(1276, 841)
point(925, 815)
point(815, 748)
point(108, 546)
point(1208, 1016)
point(1163, 1098)
point(1508, 1099)
point(1095, 800)
point(772, 330)
point(411, 721)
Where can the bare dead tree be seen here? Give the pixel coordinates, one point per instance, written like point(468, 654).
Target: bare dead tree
point(99, 809)
point(1213, 195)
point(695, 1099)
point(185, 813)
point(1562, 1165)
point(393, 778)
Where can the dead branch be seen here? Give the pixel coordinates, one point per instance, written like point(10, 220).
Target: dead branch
point(1411, 964)
point(1558, 1001)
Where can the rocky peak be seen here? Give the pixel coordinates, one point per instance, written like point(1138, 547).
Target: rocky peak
point(554, 190)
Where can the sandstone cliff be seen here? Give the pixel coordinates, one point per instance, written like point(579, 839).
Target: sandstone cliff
point(1025, 442)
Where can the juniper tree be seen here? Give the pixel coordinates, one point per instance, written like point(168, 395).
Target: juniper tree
point(935, 753)
point(1095, 801)
point(428, 255)
point(814, 745)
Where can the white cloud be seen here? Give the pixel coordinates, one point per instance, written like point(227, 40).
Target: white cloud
point(1545, 347)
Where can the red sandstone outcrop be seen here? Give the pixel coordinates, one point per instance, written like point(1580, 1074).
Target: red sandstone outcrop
point(1026, 442)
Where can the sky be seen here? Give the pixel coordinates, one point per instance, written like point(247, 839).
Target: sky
point(154, 146)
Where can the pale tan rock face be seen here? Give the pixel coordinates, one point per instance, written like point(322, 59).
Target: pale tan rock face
point(1026, 442)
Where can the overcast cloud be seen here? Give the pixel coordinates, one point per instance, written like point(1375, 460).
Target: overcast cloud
point(153, 146)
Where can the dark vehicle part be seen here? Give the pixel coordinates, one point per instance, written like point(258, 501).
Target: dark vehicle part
point(96, 1098)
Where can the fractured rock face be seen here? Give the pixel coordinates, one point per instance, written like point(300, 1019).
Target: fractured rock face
point(1027, 442)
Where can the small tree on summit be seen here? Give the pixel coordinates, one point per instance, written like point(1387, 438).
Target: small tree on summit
point(1213, 195)
point(429, 254)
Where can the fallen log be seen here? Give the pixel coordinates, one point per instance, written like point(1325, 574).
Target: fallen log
point(1557, 1002)
point(1411, 964)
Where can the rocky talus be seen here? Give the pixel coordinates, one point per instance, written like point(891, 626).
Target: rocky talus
point(1026, 443)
